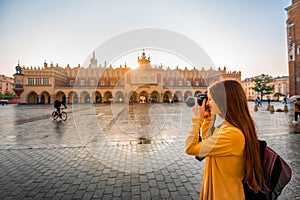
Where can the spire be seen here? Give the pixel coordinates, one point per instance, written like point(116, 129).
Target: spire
point(93, 61)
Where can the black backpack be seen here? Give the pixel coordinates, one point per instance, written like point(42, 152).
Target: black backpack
point(57, 104)
point(277, 174)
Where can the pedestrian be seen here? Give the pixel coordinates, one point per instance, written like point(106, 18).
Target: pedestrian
point(259, 101)
point(269, 100)
point(284, 100)
point(297, 111)
point(231, 150)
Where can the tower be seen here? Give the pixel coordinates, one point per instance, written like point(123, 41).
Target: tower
point(93, 61)
point(18, 76)
point(293, 42)
point(143, 61)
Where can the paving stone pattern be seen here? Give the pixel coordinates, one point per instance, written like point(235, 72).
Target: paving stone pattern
point(117, 152)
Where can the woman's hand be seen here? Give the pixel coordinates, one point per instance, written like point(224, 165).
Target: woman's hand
point(199, 110)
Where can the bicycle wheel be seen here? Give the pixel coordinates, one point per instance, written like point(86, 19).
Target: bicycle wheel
point(64, 116)
point(54, 115)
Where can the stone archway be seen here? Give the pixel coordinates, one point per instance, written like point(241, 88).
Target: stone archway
point(72, 97)
point(133, 97)
point(154, 97)
point(119, 97)
point(177, 96)
point(32, 98)
point(45, 98)
point(143, 98)
point(108, 97)
point(98, 97)
point(167, 96)
point(85, 97)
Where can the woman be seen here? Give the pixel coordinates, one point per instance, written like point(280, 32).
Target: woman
point(232, 150)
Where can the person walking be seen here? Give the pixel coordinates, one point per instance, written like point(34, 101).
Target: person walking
point(259, 101)
point(297, 111)
point(231, 150)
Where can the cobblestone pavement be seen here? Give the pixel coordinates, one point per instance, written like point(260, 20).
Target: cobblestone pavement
point(117, 151)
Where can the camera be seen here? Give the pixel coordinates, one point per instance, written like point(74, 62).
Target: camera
point(190, 101)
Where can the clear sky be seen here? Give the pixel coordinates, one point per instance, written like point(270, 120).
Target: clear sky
point(244, 35)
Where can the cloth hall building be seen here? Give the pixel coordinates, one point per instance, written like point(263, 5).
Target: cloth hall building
point(105, 84)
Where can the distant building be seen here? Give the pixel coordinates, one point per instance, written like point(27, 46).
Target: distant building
point(281, 86)
point(6, 84)
point(293, 42)
point(248, 84)
point(105, 84)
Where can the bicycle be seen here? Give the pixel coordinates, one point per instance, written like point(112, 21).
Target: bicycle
point(63, 115)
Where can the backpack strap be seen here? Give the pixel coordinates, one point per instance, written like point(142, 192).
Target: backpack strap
point(262, 146)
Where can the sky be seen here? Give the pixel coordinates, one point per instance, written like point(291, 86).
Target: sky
point(243, 35)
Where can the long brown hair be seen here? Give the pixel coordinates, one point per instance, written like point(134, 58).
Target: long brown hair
point(232, 102)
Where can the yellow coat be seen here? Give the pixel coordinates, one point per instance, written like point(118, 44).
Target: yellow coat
point(224, 168)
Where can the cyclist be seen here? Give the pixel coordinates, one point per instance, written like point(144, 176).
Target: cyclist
point(57, 104)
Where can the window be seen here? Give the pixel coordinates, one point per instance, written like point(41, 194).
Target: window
point(197, 83)
point(92, 82)
point(46, 81)
point(30, 81)
point(292, 52)
point(171, 82)
point(38, 81)
point(71, 82)
point(112, 83)
point(298, 50)
point(180, 83)
point(102, 83)
point(188, 83)
point(82, 82)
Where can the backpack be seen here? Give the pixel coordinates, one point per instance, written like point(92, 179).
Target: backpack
point(277, 174)
point(57, 104)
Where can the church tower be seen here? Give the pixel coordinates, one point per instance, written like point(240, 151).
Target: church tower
point(293, 42)
point(143, 61)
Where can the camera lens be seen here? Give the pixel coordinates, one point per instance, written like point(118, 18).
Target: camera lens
point(190, 101)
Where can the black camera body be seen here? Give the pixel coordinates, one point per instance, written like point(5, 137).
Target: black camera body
point(190, 101)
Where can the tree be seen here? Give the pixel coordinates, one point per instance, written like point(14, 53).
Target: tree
point(7, 95)
point(263, 86)
point(278, 94)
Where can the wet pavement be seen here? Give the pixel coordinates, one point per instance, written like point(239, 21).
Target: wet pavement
point(117, 151)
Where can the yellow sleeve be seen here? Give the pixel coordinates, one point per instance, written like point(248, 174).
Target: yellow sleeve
point(206, 127)
point(226, 141)
point(193, 135)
